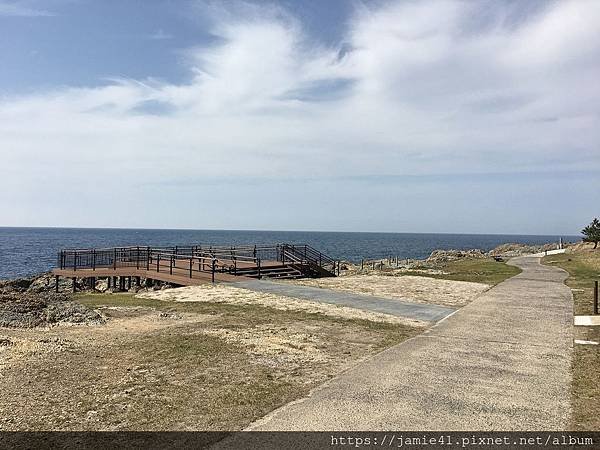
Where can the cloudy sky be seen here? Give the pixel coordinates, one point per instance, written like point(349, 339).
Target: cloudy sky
point(410, 116)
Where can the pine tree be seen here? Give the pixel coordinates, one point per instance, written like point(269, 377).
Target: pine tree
point(592, 232)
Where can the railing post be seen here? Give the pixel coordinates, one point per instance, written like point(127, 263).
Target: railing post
point(115, 259)
point(158, 262)
point(191, 264)
point(258, 268)
point(214, 263)
point(171, 261)
point(137, 258)
point(74, 262)
point(94, 259)
point(147, 258)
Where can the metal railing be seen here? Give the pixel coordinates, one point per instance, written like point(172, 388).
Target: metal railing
point(196, 258)
point(144, 258)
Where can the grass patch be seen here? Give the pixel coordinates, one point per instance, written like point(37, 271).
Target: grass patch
point(252, 315)
point(148, 371)
point(97, 300)
point(476, 270)
point(583, 267)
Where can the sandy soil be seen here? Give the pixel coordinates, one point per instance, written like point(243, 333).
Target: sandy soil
point(175, 365)
point(410, 288)
point(221, 293)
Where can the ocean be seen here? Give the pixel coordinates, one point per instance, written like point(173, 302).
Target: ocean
point(27, 251)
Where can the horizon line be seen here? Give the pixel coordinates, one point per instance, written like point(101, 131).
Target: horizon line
point(284, 231)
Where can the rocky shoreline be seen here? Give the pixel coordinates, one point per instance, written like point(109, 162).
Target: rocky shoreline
point(30, 302)
point(439, 257)
point(33, 302)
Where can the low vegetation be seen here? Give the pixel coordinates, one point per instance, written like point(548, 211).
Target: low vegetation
point(583, 266)
point(476, 270)
point(158, 365)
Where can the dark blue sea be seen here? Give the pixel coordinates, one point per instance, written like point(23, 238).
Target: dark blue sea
point(26, 251)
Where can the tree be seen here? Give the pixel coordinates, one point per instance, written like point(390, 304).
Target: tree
point(592, 232)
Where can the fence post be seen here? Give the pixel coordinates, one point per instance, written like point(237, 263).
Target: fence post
point(94, 259)
point(115, 259)
point(158, 262)
point(191, 264)
point(214, 263)
point(147, 258)
point(596, 297)
point(137, 258)
point(258, 268)
point(171, 261)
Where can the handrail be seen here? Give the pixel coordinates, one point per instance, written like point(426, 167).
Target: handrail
point(206, 258)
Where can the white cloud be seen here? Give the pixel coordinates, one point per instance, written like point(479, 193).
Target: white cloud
point(21, 9)
point(419, 92)
point(160, 35)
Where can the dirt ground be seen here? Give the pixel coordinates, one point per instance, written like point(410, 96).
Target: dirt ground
point(162, 365)
point(412, 288)
point(221, 293)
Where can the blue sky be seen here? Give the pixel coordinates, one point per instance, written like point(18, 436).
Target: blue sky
point(409, 116)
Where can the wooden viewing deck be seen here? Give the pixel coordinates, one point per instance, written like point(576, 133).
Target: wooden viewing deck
point(193, 265)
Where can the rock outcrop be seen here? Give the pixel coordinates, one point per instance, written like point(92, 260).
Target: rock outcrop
point(29, 302)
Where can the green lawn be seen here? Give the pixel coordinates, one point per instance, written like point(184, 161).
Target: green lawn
point(583, 267)
point(478, 270)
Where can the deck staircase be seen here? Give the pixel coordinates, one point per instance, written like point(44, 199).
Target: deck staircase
point(293, 261)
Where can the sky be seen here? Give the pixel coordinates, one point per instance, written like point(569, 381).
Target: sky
point(395, 116)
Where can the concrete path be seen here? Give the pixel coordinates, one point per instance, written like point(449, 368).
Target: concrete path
point(500, 363)
point(411, 310)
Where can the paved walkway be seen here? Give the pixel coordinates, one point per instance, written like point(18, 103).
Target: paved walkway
point(500, 363)
point(411, 310)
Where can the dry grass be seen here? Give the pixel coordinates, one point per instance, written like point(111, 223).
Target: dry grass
point(158, 365)
point(583, 266)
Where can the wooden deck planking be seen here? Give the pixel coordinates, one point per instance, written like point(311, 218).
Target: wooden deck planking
point(180, 275)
